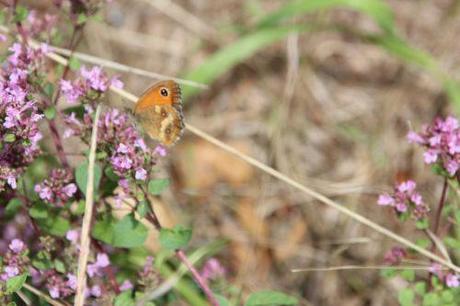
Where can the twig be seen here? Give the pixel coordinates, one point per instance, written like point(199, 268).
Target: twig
point(85, 239)
point(124, 68)
point(354, 267)
point(442, 200)
point(42, 295)
point(200, 280)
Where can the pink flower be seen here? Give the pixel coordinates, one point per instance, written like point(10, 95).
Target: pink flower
point(385, 199)
point(452, 280)
point(72, 281)
point(441, 141)
point(73, 236)
point(54, 292)
point(160, 150)
point(141, 174)
point(11, 271)
point(126, 285)
point(407, 186)
point(102, 261)
point(405, 199)
point(96, 291)
point(17, 246)
point(212, 269)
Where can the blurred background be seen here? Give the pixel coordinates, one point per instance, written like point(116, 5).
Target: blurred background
point(324, 91)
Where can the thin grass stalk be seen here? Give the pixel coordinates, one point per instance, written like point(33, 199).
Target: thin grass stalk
point(42, 295)
point(85, 230)
point(316, 195)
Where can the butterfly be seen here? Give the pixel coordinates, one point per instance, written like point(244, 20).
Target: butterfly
point(159, 112)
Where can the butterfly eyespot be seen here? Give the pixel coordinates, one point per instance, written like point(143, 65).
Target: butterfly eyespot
point(164, 92)
point(163, 114)
point(168, 131)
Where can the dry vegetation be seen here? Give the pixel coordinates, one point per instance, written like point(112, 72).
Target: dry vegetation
point(325, 107)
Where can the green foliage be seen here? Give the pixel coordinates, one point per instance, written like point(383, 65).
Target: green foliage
point(125, 233)
point(103, 229)
point(376, 9)
point(422, 224)
point(406, 297)
point(270, 298)
point(142, 208)
point(74, 63)
point(129, 233)
point(21, 13)
point(124, 299)
point(175, 238)
point(12, 207)
point(50, 112)
point(157, 186)
point(15, 283)
point(227, 57)
point(81, 176)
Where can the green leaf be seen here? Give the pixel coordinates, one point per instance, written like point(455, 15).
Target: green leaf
point(157, 186)
point(74, 63)
point(49, 89)
point(452, 243)
point(447, 296)
point(82, 18)
point(39, 211)
point(423, 242)
point(50, 113)
point(124, 299)
point(376, 9)
point(408, 274)
point(21, 13)
point(57, 226)
point(129, 233)
point(422, 224)
point(222, 300)
point(270, 298)
point(420, 288)
point(81, 176)
point(9, 137)
point(406, 297)
point(59, 266)
point(142, 208)
point(227, 57)
point(103, 229)
point(388, 272)
point(15, 283)
point(431, 299)
point(175, 238)
point(12, 207)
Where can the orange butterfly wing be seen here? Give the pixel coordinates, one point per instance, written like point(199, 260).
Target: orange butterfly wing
point(159, 111)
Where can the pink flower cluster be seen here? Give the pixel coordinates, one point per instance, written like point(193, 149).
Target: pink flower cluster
point(451, 279)
point(15, 260)
point(93, 79)
point(118, 136)
point(19, 113)
point(405, 199)
point(394, 256)
point(441, 141)
point(58, 188)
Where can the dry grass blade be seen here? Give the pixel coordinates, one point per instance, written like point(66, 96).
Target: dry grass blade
point(124, 68)
point(85, 230)
point(353, 267)
point(325, 200)
point(42, 295)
